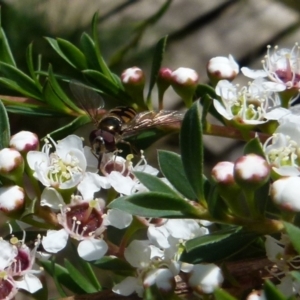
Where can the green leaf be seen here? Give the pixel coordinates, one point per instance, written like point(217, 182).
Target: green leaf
point(114, 264)
point(69, 128)
point(79, 278)
point(295, 275)
point(33, 110)
point(22, 82)
point(191, 145)
point(57, 96)
point(155, 205)
point(156, 63)
point(216, 205)
point(62, 275)
point(31, 67)
point(154, 184)
point(73, 54)
point(293, 232)
point(171, 166)
point(217, 246)
point(222, 295)
point(88, 47)
point(4, 127)
point(254, 146)
point(103, 66)
point(206, 93)
point(5, 52)
point(271, 291)
point(108, 87)
point(89, 273)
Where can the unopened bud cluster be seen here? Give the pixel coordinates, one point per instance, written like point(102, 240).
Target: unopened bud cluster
point(12, 195)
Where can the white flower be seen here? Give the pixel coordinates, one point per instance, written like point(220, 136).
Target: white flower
point(246, 105)
point(24, 141)
point(205, 278)
point(173, 232)
point(83, 220)
point(282, 149)
point(119, 172)
point(222, 67)
point(152, 269)
point(281, 66)
point(65, 167)
point(278, 252)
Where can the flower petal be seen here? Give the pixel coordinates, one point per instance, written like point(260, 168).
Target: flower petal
point(92, 249)
point(55, 240)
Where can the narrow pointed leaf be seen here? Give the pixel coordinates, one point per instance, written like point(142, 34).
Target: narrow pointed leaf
point(79, 278)
point(4, 127)
point(217, 246)
point(171, 166)
point(5, 52)
point(22, 81)
point(108, 87)
point(155, 205)
point(59, 95)
point(154, 184)
point(293, 233)
point(71, 127)
point(74, 55)
point(62, 275)
point(156, 62)
point(191, 145)
point(88, 48)
point(272, 292)
point(254, 146)
point(114, 264)
point(103, 66)
point(90, 274)
point(31, 67)
point(223, 295)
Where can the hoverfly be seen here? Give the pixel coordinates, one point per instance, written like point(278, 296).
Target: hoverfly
point(118, 123)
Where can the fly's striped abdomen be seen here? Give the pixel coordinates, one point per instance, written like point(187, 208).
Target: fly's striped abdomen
point(125, 113)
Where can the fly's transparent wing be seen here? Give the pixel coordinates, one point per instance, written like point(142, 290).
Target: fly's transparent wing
point(87, 99)
point(150, 119)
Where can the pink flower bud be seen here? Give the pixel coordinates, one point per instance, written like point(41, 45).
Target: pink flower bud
point(185, 77)
point(222, 173)
point(11, 161)
point(285, 193)
point(24, 141)
point(133, 76)
point(221, 67)
point(164, 77)
point(251, 171)
point(184, 83)
point(11, 198)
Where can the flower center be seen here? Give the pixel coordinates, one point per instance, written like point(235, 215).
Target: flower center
point(60, 170)
point(83, 219)
point(286, 155)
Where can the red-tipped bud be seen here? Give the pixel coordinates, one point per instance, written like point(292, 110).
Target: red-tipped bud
point(163, 81)
point(11, 164)
point(184, 83)
point(133, 80)
point(251, 171)
point(11, 199)
point(285, 193)
point(24, 141)
point(222, 67)
point(133, 77)
point(222, 173)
